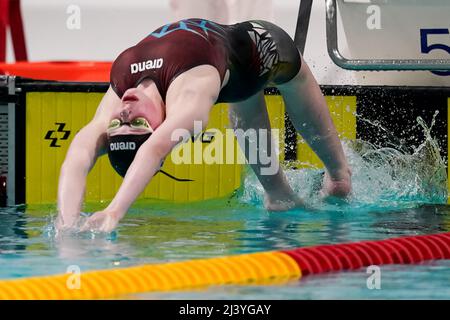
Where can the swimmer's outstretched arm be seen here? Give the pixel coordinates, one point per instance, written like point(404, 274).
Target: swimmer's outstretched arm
point(190, 98)
point(87, 145)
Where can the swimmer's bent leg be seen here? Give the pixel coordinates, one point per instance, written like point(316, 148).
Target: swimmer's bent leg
point(310, 116)
point(251, 114)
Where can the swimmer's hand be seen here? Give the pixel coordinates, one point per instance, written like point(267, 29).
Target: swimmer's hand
point(101, 221)
point(283, 202)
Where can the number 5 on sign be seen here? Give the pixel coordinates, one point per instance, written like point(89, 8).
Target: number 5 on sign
point(427, 48)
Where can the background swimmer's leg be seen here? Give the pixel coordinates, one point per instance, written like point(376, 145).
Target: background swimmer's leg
point(252, 114)
point(309, 113)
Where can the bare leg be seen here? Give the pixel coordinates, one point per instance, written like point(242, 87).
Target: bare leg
point(252, 114)
point(310, 115)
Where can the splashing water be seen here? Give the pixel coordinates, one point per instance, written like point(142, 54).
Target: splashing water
point(381, 177)
point(51, 231)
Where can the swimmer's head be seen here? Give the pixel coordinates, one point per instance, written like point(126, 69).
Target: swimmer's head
point(130, 126)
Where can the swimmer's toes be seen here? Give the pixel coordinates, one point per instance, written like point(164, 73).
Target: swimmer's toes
point(335, 200)
point(284, 205)
point(336, 193)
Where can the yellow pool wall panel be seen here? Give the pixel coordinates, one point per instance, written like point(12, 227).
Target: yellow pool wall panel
point(343, 114)
point(52, 114)
point(45, 111)
point(276, 111)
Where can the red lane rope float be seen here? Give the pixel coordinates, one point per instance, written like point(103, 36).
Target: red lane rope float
point(257, 268)
point(338, 257)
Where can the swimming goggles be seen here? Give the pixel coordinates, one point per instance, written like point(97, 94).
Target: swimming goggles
point(136, 123)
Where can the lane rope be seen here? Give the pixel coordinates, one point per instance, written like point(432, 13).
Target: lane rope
point(256, 268)
point(348, 256)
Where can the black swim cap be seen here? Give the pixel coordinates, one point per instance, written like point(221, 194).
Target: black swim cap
point(123, 148)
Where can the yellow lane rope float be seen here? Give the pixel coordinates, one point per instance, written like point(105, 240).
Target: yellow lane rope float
point(254, 268)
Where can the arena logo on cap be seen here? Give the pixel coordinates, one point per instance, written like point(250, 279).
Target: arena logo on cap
point(146, 65)
point(116, 146)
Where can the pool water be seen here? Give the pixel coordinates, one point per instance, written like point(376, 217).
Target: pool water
point(394, 194)
point(159, 233)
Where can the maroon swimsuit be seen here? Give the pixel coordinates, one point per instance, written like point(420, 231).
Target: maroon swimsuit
point(255, 53)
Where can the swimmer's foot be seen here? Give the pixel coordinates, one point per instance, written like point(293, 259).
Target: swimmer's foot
point(65, 224)
point(337, 189)
point(283, 202)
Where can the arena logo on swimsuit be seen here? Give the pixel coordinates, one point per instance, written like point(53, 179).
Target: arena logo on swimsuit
point(122, 146)
point(146, 65)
